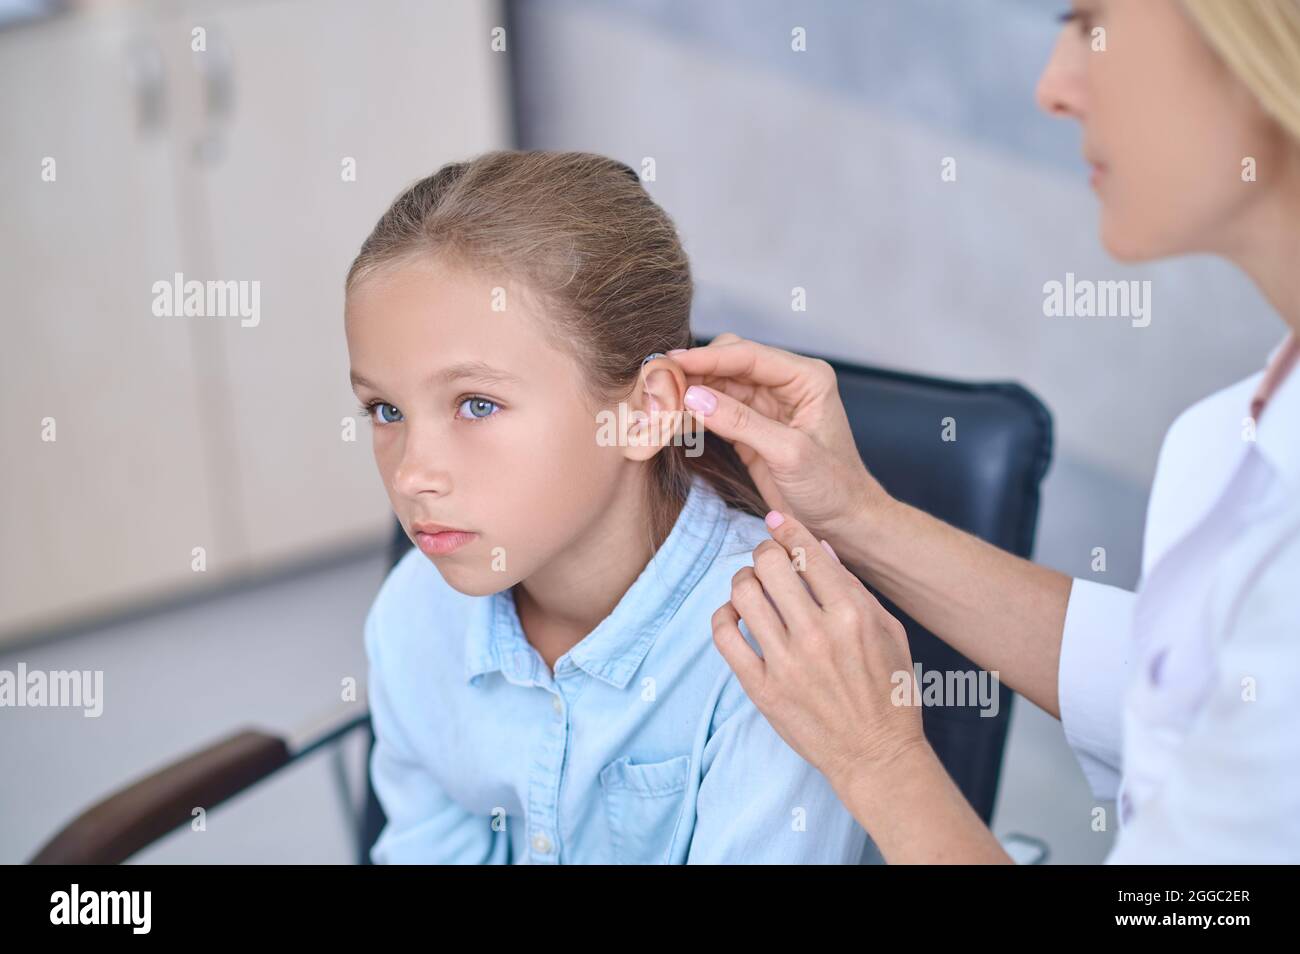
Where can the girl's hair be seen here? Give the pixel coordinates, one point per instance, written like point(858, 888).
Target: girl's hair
point(582, 236)
point(1259, 40)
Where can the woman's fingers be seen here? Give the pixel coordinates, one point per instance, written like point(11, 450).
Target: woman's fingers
point(740, 656)
point(826, 577)
point(792, 580)
point(736, 421)
point(780, 574)
point(746, 360)
point(754, 603)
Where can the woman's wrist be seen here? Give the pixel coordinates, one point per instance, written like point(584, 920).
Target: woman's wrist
point(914, 811)
point(873, 789)
point(863, 535)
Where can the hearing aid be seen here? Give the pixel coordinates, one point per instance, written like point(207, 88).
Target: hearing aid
point(654, 405)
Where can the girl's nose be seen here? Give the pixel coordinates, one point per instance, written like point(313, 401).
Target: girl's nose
point(420, 469)
point(1060, 88)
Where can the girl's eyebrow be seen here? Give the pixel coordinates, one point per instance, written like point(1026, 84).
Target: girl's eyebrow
point(477, 371)
point(471, 370)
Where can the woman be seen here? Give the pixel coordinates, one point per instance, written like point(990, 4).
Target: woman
point(1191, 119)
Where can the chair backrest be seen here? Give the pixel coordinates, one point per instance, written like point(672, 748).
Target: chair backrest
point(986, 481)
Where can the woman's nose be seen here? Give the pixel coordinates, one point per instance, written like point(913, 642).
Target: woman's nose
point(1060, 88)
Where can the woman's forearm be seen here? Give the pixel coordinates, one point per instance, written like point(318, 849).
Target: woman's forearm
point(1002, 612)
point(915, 813)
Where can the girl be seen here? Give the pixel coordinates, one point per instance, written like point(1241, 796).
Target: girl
point(543, 682)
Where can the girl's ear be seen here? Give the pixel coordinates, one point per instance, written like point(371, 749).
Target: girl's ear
point(655, 408)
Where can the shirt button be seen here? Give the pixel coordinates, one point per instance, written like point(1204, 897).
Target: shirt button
point(541, 844)
point(556, 704)
point(1125, 808)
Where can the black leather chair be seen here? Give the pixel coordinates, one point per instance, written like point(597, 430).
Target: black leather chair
point(986, 482)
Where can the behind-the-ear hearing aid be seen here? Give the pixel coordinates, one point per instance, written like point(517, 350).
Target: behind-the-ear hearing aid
point(647, 360)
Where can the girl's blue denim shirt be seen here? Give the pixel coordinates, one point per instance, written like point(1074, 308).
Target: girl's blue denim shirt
point(641, 748)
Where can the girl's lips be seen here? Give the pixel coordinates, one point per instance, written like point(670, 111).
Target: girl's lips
point(443, 543)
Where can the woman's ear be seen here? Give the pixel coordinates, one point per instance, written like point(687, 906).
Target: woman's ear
point(655, 408)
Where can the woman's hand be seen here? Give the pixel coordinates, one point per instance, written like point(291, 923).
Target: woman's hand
point(832, 667)
point(833, 660)
point(783, 414)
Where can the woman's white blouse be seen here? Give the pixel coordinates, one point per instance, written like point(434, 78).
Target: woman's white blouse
point(1182, 701)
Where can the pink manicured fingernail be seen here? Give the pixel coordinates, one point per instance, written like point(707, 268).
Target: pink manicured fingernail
point(700, 400)
point(831, 551)
point(678, 351)
point(774, 518)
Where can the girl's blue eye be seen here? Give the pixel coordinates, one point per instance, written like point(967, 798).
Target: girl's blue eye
point(479, 408)
point(381, 413)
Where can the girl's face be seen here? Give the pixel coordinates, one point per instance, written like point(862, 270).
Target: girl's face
point(479, 424)
point(1166, 128)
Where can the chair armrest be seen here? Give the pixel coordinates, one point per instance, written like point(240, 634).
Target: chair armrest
point(117, 827)
point(135, 817)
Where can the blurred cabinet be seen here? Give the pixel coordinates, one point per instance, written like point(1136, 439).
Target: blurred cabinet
point(230, 163)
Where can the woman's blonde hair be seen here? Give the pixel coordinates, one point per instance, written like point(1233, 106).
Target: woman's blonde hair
point(1259, 40)
point(582, 236)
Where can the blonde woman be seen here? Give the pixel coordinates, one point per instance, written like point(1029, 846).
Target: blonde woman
point(1179, 700)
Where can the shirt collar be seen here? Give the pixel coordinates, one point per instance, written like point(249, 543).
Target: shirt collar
point(614, 649)
point(1277, 432)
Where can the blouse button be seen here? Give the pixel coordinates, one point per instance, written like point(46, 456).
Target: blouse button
point(541, 844)
point(556, 704)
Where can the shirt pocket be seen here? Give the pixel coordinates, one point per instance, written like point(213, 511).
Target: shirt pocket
point(644, 802)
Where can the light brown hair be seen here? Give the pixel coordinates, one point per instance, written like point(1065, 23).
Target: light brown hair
point(1259, 40)
point(580, 233)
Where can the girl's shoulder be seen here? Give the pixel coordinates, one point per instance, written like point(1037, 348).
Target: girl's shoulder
point(740, 533)
point(744, 532)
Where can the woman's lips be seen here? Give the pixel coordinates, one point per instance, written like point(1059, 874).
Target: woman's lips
point(443, 542)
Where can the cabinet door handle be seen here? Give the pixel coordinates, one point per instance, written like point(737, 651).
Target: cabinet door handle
point(148, 78)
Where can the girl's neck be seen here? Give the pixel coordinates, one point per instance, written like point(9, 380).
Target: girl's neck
point(568, 598)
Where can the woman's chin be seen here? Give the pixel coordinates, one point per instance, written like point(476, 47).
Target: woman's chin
point(1127, 244)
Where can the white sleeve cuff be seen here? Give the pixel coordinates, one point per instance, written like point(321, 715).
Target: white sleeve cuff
point(1095, 650)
